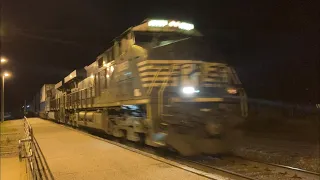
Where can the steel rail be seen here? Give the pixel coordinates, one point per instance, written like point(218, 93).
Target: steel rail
point(238, 175)
point(284, 167)
point(296, 172)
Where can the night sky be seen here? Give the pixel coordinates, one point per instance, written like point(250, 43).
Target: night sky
point(274, 45)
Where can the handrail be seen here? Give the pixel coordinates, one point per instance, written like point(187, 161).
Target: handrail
point(164, 85)
point(161, 90)
point(242, 93)
point(154, 80)
point(29, 149)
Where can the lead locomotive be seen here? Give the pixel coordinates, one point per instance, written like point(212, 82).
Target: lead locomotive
point(158, 84)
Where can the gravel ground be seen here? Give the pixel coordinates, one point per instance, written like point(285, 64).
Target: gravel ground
point(285, 152)
point(10, 133)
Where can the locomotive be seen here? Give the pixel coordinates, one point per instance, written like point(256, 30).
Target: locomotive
point(159, 84)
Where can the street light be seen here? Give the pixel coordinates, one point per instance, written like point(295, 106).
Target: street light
point(3, 60)
point(4, 75)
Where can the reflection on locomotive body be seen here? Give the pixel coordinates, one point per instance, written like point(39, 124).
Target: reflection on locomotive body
point(159, 84)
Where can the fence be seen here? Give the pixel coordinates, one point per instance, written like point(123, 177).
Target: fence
point(259, 109)
point(30, 152)
point(280, 120)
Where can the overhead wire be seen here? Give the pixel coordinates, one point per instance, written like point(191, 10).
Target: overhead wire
point(56, 40)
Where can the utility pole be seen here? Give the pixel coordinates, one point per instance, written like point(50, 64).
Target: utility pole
point(2, 100)
point(1, 72)
point(25, 108)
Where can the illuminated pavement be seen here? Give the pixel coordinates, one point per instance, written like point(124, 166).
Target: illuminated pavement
point(74, 155)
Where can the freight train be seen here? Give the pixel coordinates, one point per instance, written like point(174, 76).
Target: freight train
point(159, 84)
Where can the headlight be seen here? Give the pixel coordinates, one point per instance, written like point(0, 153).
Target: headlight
point(188, 90)
point(232, 90)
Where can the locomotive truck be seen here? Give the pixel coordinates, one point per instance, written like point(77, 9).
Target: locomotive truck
point(159, 84)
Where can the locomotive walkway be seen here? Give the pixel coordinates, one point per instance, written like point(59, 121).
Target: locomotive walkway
point(72, 154)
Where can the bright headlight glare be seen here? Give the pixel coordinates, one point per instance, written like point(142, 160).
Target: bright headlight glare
point(188, 90)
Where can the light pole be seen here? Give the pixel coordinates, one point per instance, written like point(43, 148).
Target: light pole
point(2, 96)
point(3, 60)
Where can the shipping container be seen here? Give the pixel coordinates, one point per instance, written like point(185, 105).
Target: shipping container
point(44, 91)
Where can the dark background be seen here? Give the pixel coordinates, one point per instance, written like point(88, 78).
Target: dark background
point(274, 45)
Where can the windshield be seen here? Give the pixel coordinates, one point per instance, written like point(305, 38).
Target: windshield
point(157, 38)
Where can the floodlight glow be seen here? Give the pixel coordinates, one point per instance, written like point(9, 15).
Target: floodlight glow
point(158, 23)
point(3, 60)
point(177, 24)
point(186, 26)
point(174, 24)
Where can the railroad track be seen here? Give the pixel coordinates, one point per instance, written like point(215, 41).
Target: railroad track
point(240, 168)
point(230, 167)
point(235, 167)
